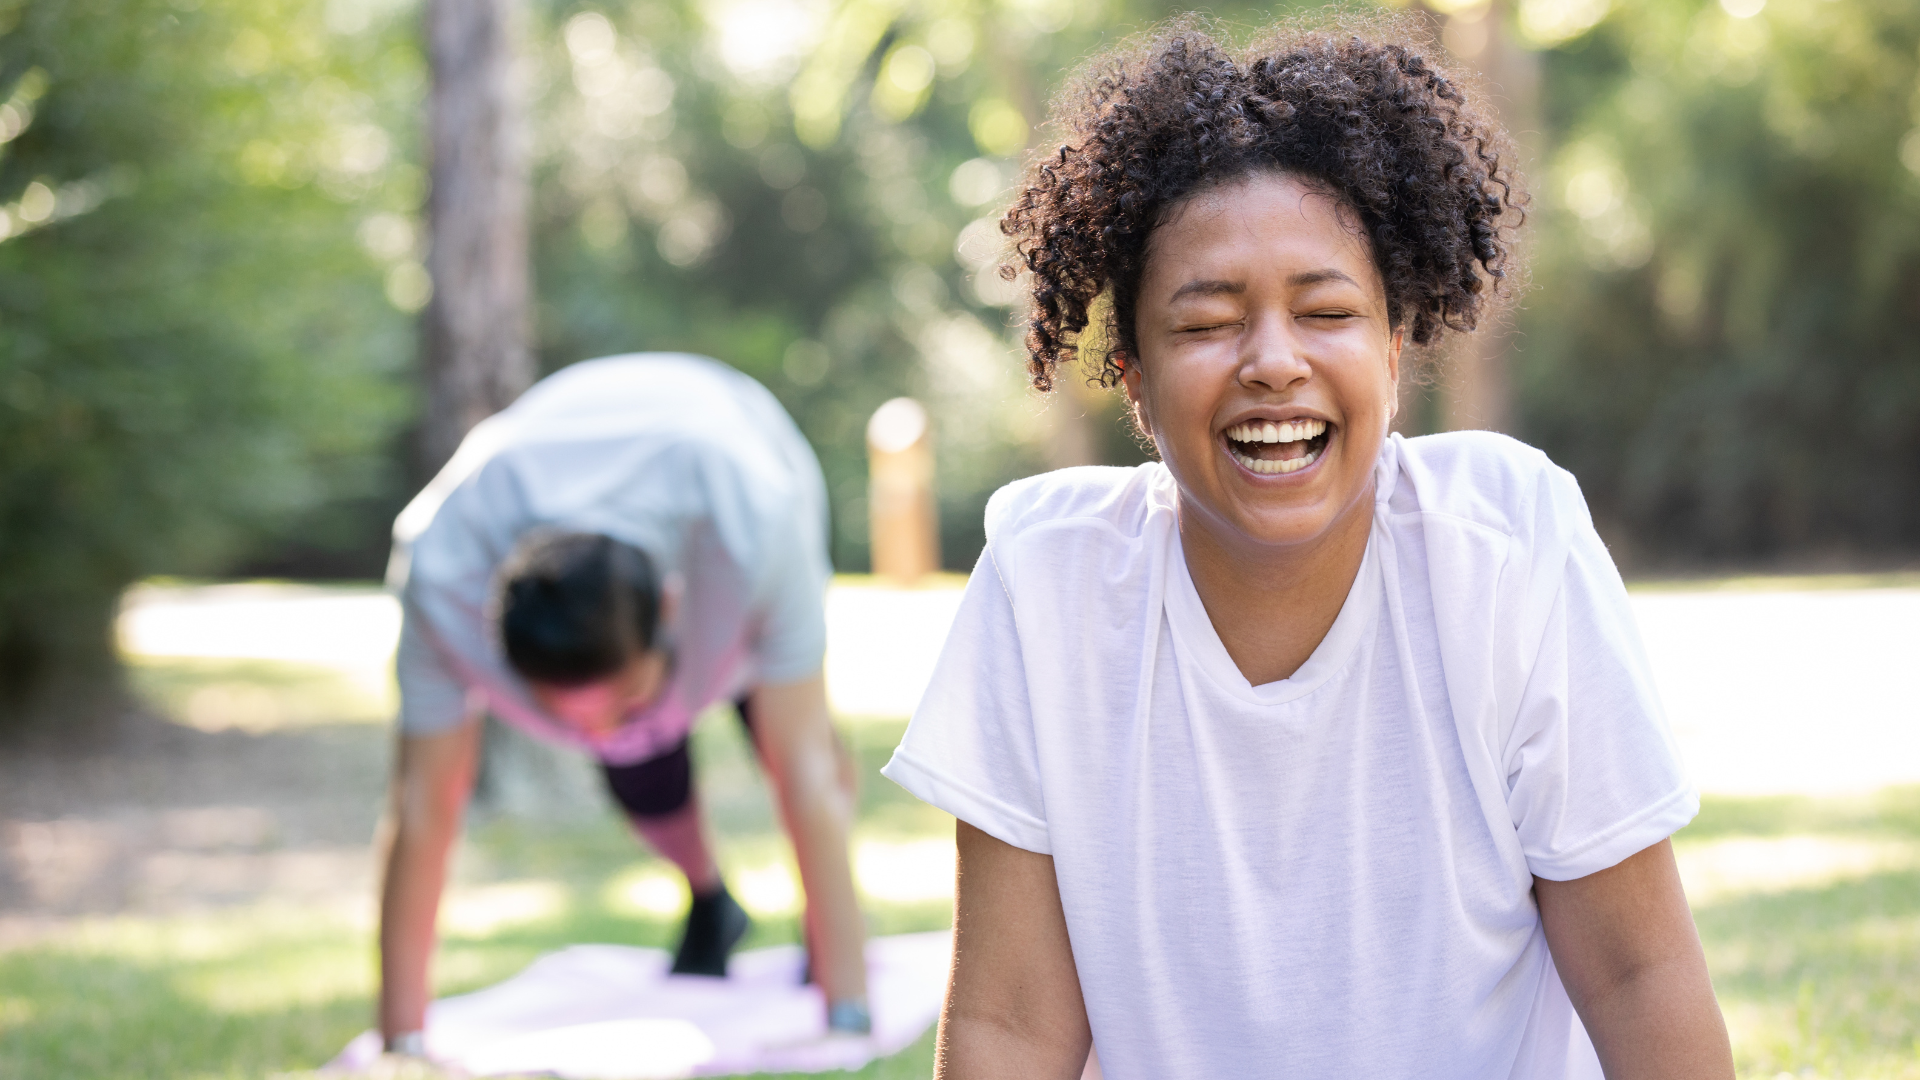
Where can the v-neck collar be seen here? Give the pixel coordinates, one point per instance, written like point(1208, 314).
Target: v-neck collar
point(1196, 637)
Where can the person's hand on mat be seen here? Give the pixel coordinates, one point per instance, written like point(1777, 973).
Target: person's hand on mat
point(849, 1017)
point(407, 1066)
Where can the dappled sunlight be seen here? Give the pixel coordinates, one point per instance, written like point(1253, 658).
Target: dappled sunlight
point(482, 910)
point(646, 890)
point(256, 696)
point(1821, 981)
point(905, 872)
point(763, 41)
point(1808, 905)
point(1770, 692)
point(882, 644)
point(283, 978)
point(262, 656)
point(336, 627)
point(1717, 869)
point(766, 890)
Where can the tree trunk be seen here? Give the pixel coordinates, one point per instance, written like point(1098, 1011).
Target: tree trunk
point(1477, 392)
point(477, 357)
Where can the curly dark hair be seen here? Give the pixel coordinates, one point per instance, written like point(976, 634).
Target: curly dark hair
point(1375, 123)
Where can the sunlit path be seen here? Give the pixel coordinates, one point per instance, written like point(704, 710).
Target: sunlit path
point(1769, 692)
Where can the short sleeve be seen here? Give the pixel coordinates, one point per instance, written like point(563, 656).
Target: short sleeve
point(432, 699)
point(969, 749)
point(1593, 774)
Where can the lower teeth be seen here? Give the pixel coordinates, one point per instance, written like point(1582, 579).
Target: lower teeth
point(1276, 466)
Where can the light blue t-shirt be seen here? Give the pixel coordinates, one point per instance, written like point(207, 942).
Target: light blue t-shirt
point(681, 456)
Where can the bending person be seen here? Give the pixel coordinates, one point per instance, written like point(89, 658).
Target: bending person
point(635, 539)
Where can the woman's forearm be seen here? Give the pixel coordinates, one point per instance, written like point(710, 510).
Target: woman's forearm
point(1659, 1023)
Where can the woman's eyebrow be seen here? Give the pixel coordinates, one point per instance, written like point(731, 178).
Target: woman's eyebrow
point(1300, 279)
point(1208, 288)
point(1315, 277)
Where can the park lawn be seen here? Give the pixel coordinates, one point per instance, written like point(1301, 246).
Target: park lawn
point(272, 990)
point(1810, 915)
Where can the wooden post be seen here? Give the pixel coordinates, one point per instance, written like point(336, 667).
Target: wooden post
point(476, 326)
point(904, 522)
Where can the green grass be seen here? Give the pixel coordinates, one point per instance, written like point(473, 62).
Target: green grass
point(1819, 973)
point(1821, 979)
point(265, 990)
point(1888, 579)
point(256, 695)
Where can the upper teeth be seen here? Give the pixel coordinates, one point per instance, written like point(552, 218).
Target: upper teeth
point(1268, 431)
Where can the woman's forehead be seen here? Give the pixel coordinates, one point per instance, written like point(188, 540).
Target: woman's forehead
point(1262, 222)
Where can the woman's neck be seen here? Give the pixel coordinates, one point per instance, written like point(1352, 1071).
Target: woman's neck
point(1272, 605)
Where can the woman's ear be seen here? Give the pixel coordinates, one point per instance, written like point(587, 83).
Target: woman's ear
point(1130, 378)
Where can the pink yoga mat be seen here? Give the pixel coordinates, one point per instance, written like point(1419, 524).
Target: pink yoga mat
point(611, 1012)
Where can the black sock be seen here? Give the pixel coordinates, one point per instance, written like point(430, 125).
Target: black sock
point(715, 924)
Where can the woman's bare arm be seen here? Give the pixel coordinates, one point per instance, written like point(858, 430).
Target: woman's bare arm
point(1626, 947)
point(1013, 1010)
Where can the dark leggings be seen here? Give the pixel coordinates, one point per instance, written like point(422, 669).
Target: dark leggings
point(662, 785)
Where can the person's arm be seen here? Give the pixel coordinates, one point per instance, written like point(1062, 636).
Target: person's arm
point(1013, 1000)
point(1627, 950)
point(432, 780)
point(804, 763)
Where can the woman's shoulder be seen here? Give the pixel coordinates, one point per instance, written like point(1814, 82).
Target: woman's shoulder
point(1098, 497)
point(1483, 477)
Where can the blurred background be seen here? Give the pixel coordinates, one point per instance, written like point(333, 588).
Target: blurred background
point(222, 358)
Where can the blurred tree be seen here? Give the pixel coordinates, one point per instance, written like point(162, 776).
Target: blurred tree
point(1475, 390)
point(1724, 340)
point(476, 357)
point(838, 238)
point(193, 349)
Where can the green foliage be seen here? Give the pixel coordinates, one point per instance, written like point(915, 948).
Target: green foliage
point(193, 347)
point(810, 193)
point(1723, 340)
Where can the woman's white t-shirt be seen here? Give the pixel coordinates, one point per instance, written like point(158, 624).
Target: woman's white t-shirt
point(1330, 875)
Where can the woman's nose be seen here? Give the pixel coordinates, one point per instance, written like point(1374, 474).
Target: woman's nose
point(1270, 355)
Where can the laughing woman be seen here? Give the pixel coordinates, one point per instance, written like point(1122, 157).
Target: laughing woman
point(1309, 750)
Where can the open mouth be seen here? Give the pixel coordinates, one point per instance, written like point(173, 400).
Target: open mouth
point(1272, 448)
